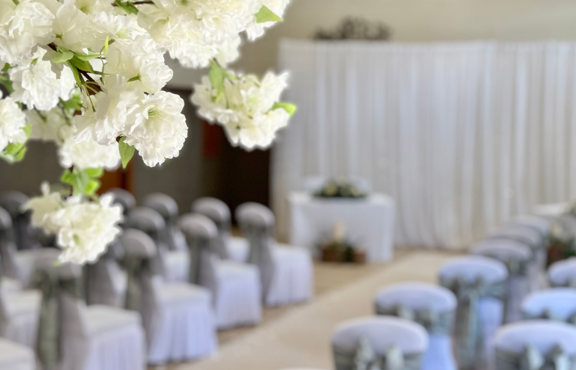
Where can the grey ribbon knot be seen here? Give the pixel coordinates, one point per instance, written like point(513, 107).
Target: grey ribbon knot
point(365, 358)
point(197, 247)
point(433, 321)
point(531, 359)
point(137, 268)
point(468, 334)
point(548, 314)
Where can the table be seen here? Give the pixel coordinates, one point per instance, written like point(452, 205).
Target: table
point(368, 222)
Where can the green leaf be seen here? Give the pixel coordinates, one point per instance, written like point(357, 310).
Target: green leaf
point(266, 15)
point(62, 55)
point(81, 64)
point(126, 152)
point(127, 6)
point(217, 75)
point(106, 44)
point(14, 152)
point(87, 57)
point(73, 104)
point(92, 188)
point(94, 172)
point(6, 82)
point(288, 107)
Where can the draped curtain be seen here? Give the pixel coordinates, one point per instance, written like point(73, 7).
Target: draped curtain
point(463, 136)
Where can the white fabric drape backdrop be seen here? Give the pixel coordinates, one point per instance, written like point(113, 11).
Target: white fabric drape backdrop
point(462, 135)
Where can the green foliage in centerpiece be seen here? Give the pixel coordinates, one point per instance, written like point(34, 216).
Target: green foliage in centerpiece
point(339, 189)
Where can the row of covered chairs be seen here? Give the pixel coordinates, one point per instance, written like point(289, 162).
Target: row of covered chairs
point(169, 270)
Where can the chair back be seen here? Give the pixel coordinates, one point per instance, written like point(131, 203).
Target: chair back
point(200, 233)
point(535, 345)
point(124, 198)
point(526, 235)
point(563, 273)
point(13, 202)
point(167, 207)
point(8, 249)
point(538, 223)
point(217, 211)
point(555, 304)
point(388, 342)
point(143, 284)
point(257, 224)
point(514, 254)
point(150, 222)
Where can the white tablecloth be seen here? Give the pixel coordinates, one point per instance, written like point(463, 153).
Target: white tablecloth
point(368, 223)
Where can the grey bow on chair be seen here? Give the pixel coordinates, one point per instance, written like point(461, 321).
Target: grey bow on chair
point(137, 267)
point(532, 359)
point(468, 335)
point(197, 247)
point(52, 283)
point(547, 314)
point(365, 358)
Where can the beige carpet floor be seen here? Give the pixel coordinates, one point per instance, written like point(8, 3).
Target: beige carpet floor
point(301, 336)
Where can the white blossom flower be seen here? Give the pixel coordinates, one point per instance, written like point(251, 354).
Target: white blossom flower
point(88, 154)
point(86, 228)
point(38, 86)
point(245, 107)
point(12, 123)
point(48, 125)
point(43, 207)
point(83, 229)
point(23, 26)
point(160, 131)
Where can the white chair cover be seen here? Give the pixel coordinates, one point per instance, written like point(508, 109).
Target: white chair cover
point(172, 265)
point(19, 312)
point(227, 247)
point(384, 335)
point(166, 206)
point(177, 317)
point(537, 243)
point(517, 257)
point(480, 287)
point(124, 198)
point(286, 272)
point(94, 337)
point(16, 357)
point(20, 265)
point(429, 305)
point(563, 273)
point(554, 304)
point(538, 223)
point(535, 345)
point(235, 287)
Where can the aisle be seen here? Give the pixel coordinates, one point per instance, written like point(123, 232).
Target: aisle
point(301, 337)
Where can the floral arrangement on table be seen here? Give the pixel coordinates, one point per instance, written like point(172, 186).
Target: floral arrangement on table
point(338, 248)
point(339, 189)
point(88, 75)
point(352, 28)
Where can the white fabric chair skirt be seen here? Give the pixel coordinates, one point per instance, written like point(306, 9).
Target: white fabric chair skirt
point(293, 278)
point(16, 357)
point(184, 325)
point(415, 297)
point(111, 339)
point(22, 309)
point(238, 249)
point(512, 254)
point(543, 336)
point(176, 266)
point(237, 297)
point(489, 309)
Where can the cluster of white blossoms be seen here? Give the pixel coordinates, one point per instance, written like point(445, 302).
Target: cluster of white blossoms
point(249, 109)
point(82, 229)
point(88, 75)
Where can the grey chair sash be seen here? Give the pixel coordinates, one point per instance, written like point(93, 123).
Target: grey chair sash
point(433, 321)
point(48, 342)
point(197, 248)
point(364, 358)
point(8, 253)
point(531, 359)
point(221, 241)
point(570, 283)
point(260, 255)
point(137, 268)
point(468, 334)
point(518, 267)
